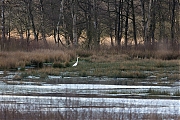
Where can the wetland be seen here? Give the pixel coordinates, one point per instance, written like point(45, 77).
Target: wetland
point(97, 88)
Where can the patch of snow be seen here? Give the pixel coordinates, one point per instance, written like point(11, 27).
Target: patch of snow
point(152, 77)
point(33, 77)
point(164, 78)
point(1, 72)
point(54, 77)
point(9, 77)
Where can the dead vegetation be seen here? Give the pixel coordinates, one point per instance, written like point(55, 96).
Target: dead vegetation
point(12, 113)
point(62, 57)
point(17, 59)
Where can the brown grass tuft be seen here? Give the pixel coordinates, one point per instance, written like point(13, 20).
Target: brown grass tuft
point(20, 59)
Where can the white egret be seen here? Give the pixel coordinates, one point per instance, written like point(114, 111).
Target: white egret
point(75, 64)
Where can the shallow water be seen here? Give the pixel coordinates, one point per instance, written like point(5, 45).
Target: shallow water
point(89, 92)
point(97, 89)
point(44, 103)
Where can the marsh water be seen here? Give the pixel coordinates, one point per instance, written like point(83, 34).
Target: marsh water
point(57, 93)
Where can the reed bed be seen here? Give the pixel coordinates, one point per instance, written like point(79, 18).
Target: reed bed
point(21, 59)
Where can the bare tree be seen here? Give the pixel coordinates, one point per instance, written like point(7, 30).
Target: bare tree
point(31, 17)
point(74, 21)
point(134, 23)
point(3, 37)
point(96, 29)
point(119, 6)
point(173, 2)
point(42, 21)
point(110, 21)
point(126, 23)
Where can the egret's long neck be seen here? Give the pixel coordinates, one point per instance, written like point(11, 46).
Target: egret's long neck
point(77, 59)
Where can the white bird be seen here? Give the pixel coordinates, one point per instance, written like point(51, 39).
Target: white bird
point(75, 64)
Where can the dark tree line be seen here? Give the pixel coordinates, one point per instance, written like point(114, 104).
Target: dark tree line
point(125, 22)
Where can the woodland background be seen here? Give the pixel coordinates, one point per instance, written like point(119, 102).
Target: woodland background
point(89, 24)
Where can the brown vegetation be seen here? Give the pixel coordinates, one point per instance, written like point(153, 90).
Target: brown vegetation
point(13, 113)
point(62, 57)
point(21, 59)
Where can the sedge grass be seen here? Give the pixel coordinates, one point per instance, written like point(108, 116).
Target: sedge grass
point(123, 69)
point(158, 92)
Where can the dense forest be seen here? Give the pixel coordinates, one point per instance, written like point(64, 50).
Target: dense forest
point(90, 23)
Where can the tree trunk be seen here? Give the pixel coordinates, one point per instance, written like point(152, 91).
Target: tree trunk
point(173, 22)
point(42, 22)
point(119, 22)
point(153, 22)
point(89, 31)
point(110, 25)
point(57, 30)
point(126, 24)
point(3, 37)
point(28, 38)
point(144, 22)
point(160, 21)
point(31, 17)
point(88, 24)
point(74, 18)
point(134, 23)
point(96, 33)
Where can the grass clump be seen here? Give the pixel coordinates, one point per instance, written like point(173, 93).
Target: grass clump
point(42, 73)
point(25, 74)
point(134, 74)
point(157, 92)
point(67, 64)
point(83, 74)
point(38, 64)
point(58, 65)
point(154, 54)
point(49, 71)
point(84, 53)
point(61, 65)
point(113, 92)
point(177, 93)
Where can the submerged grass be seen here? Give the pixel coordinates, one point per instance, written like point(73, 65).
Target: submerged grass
point(89, 111)
point(14, 114)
